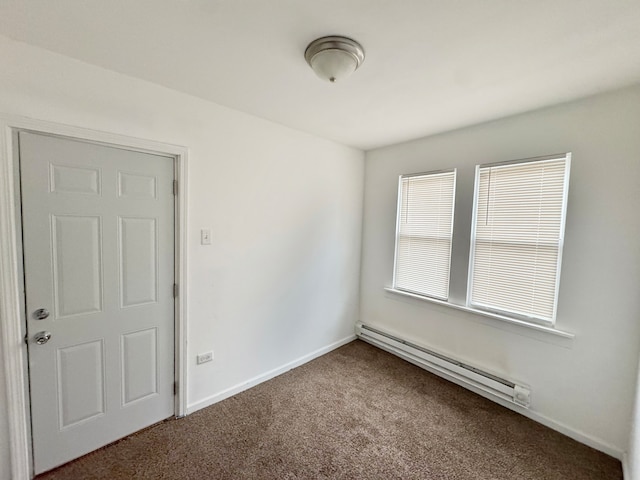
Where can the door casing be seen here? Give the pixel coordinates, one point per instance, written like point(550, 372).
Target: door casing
point(13, 324)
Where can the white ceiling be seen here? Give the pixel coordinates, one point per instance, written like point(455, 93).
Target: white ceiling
point(431, 65)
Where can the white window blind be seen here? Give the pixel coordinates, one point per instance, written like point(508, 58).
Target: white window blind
point(517, 236)
point(424, 232)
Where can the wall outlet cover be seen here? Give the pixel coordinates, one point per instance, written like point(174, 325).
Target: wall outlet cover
point(204, 358)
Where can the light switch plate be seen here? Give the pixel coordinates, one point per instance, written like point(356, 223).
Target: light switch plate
point(205, 236)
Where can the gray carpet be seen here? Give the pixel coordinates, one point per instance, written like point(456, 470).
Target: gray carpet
point(355, 413)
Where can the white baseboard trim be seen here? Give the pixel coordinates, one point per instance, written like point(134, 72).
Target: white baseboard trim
point(229, 392)
point(626, 473)
point(577, 435)
point(529, 413)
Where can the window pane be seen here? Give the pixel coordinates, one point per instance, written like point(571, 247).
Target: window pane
point(424, 231)
point(518, 226)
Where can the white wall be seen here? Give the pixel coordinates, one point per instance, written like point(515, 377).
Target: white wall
point(285, 211)
point(585, 384)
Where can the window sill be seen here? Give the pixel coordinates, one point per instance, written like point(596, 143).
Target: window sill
point(513, 321)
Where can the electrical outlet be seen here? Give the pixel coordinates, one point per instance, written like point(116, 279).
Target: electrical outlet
point(204, 358)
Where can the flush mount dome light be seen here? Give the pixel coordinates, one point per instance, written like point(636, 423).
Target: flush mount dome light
point(334, 58)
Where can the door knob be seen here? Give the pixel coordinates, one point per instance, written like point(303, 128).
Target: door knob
point(41, 314)
point(42, 337)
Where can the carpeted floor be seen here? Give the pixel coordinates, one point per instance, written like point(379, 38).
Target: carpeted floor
point(355, 413)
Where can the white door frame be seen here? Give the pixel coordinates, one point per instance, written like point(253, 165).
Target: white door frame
point(12, 345)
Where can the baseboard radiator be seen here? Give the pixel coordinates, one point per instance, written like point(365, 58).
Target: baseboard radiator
point(447, 367)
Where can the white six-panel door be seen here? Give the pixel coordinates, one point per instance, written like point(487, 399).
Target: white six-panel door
point(98, 238)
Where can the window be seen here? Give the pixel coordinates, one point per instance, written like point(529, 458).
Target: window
point(515, 243)
point(516, 237)
point(423, 233)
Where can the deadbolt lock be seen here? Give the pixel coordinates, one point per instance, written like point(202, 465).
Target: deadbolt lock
point(41, 314)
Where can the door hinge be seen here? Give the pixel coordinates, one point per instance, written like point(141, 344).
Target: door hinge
point(175, 388)
point(175, 290)
point(26, 339)
point(175, 187)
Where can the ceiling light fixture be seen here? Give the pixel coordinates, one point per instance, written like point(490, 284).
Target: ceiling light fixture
point(334, 58)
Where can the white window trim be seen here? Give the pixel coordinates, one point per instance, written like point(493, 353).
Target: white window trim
point(398, 206)
point(503, 318)
point(503, 313)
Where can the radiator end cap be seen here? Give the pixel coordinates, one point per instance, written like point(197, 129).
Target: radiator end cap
point(522, 395)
